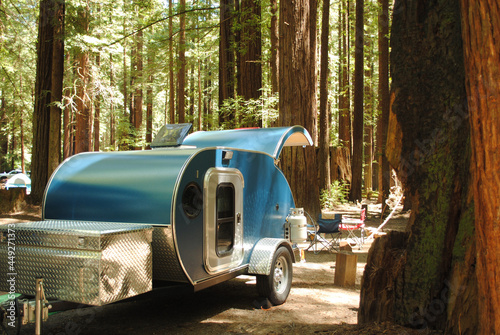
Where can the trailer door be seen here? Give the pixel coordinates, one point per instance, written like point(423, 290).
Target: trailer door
point(223, 221)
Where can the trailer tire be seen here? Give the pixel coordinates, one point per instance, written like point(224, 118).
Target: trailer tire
point(276, 286)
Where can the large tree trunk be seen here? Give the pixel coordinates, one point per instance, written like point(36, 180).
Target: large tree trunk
point(297, 104)
point(357, 128)
point(226, 56)
point(344, 106)
point(3, 136)
point(274, 47)
point(481, 34)
point(324, 123)
point(181, 76)
point(82, 129)
point(171, 83)
point(149, 97)
point(136, 83)
point(57, 87)
point(250, 51)
point(434, 284)
point(111, 105)
point(384, 173)
point(97, 111)
point(41, 114)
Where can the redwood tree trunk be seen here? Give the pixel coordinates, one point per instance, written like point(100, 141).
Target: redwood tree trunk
point(171, 83)
point(57, 87)
point(250, 51)
point(226, 56)
point(384, 174)
point(41, 114)
point(481, 33)
point(434, 284)
point(97, 111)
point(82, 130)
point(297, 104)
point(344, 105)
point(181, 76)
point(324, 124)
point(274, 47)
point(357, 124)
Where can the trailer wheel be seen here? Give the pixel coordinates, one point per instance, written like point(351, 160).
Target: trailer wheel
point(276, 286)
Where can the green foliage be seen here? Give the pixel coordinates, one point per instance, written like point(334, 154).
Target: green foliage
point(110, 38)
point(248, 112)
point(336, 195)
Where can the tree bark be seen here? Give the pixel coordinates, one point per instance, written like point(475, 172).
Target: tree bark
point(112, 131)
point(82, 128)
point(97, 111)
point(250, 51)
point(434, 284)
point(171, 66)
point(56, 88)
point(357, 131)
point(3, 136)
point(324, 124)
point(181, 78)
point(384, 173)
point(136, 85)
point(274, 47)
point(149, 97)
point(226, 57)
point(481, 33)
point(344, 105)
point(297, 105)
point(41, 113)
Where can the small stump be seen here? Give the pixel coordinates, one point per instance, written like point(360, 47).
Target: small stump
point(346, 266)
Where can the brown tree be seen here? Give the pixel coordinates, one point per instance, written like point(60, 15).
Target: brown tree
point(274, 47)
point(56, 88)
point(384, 175)
point(181, 75)
point(297, 105)
point(430, 273)
point(97, 110)
point(136, 84)
point(171, 83)
point(83, 120)
point(324, 122)
point(250, 50)
point(344, 96)
point(41, 113)
point(357, 129)
point(226, 56)
point(481, 33)
point(149, 97)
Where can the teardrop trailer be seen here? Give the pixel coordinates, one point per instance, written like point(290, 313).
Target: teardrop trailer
point(198, 209)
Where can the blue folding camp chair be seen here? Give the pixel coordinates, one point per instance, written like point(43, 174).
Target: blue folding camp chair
point(324, 234)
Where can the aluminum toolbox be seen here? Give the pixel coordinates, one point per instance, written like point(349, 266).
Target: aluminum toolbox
point(93, 263)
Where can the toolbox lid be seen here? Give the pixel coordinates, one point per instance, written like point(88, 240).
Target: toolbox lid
point(67, 234)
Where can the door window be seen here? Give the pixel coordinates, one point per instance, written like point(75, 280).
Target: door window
point(225, 219)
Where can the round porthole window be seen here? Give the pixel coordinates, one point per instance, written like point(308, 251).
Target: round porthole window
point(192, 200)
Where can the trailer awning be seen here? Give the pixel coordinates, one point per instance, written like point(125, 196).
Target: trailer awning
point(268, 140)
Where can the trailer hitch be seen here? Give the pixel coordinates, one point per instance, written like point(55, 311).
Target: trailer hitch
point(41, 310)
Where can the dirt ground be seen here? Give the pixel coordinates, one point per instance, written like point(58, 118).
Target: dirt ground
point(315, 304)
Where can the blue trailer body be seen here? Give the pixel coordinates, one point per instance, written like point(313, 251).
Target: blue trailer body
point(213, 205)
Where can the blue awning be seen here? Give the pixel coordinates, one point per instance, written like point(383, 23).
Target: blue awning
point(268, 140)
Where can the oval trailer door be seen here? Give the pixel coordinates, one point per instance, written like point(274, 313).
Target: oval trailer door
point(223, 221)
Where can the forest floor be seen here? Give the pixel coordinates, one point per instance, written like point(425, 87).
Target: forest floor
point(315, 304)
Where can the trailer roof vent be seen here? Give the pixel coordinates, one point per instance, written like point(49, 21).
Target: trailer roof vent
point(171, 135)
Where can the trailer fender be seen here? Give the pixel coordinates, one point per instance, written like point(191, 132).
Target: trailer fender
point(263, 253)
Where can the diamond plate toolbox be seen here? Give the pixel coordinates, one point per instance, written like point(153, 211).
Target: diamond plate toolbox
point(94, 263)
